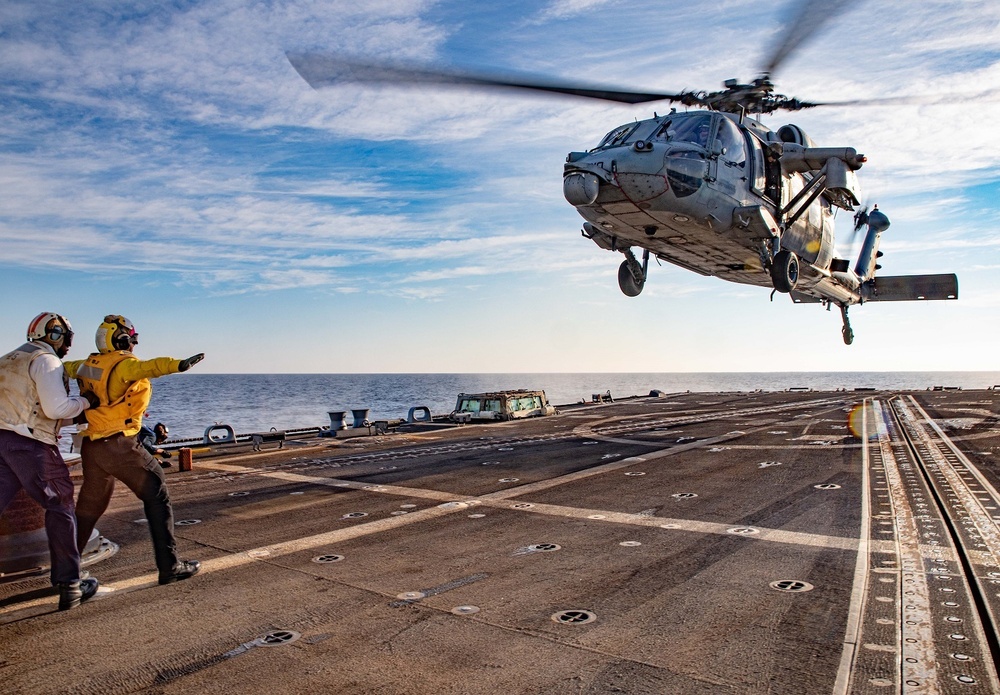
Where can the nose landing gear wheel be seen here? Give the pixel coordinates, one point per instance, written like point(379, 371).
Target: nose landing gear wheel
point(784, 271)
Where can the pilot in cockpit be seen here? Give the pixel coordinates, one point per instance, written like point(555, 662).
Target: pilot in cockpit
point(694, 130)
point(700, 135)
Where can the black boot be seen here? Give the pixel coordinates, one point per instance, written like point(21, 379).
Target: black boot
point(184, 570)
point(72, 594)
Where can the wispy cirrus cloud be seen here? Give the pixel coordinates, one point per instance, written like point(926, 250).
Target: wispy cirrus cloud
point(177, 144)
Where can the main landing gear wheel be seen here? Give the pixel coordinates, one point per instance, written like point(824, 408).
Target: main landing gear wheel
point(632, 274)
point(784, 271)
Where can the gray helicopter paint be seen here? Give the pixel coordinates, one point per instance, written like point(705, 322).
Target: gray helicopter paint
point(732, 200)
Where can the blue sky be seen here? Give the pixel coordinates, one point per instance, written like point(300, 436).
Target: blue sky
point(165, 161)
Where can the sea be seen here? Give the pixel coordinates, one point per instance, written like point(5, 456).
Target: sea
point(190, 403)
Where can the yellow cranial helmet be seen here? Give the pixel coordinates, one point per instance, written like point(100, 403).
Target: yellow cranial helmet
point(116, 333)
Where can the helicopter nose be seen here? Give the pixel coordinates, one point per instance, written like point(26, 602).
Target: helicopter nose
point(581, 188)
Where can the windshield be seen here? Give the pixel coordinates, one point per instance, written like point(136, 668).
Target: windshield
point(617, 136)
point(693, 129)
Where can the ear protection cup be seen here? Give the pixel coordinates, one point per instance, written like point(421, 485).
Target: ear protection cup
point(116, 333)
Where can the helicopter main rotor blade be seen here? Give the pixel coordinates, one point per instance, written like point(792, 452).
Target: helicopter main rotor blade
point(812, 15)
point(325, 71)
point(925, 100)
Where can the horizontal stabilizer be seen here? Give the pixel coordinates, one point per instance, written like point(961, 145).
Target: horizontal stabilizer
point(904, 288)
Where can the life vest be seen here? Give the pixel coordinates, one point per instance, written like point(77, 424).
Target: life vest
point(123, 414)
point(20, 409)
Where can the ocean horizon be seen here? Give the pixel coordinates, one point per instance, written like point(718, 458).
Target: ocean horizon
point(190, 403)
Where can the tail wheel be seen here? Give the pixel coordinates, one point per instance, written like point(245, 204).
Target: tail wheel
point(784, 271)
point(630, 287)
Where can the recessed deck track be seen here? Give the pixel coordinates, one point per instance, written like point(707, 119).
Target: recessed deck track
point(931, 612)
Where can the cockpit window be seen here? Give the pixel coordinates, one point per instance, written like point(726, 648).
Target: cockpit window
point(693, 129)
point(731, 142)
point(617, 136)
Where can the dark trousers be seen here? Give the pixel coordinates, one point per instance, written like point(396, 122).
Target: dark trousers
point(39, 469)
point(124, 458)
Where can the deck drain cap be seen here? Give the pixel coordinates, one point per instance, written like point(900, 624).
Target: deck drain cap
point(476, 516)
point(827, 486)
point(574, 617)
point(523, 505)
point(508, 480)
point(278, 638)
point(323, 559)
point(743, 530)
point(238, 494)
point(684, 495)
point(187, 522)
point(630, 544)
point(354, 515)
point(411, 595)
point(544, 547)
point(791, 585)
point(465, 610)
point(635, 473)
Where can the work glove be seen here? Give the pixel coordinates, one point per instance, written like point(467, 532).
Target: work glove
point(163, 453)
point(190, 362)
point(91, 398)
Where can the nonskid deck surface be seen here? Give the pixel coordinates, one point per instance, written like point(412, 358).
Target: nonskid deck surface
point(692, 543)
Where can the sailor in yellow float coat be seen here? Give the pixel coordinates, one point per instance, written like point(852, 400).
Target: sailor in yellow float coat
point(111, 449)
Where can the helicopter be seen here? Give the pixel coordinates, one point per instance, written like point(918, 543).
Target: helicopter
point(712, 189)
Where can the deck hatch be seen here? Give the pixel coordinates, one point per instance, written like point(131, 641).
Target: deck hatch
point(574, 617)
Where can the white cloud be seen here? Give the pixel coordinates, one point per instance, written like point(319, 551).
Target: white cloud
point(180, 145)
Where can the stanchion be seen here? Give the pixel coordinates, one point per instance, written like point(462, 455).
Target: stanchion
point(184, 459)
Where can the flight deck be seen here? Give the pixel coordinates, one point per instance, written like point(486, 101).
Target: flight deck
point(766, 542)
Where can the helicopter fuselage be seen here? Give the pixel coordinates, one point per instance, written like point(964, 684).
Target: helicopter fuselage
point(720, 196)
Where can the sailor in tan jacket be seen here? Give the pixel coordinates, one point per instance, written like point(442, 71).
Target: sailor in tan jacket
point(34, 400)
